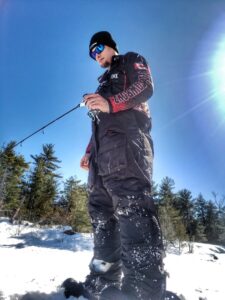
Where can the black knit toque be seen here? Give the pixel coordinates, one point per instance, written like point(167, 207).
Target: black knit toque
point(102, 37)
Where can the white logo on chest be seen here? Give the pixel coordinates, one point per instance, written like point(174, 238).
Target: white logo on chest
point(114, 76)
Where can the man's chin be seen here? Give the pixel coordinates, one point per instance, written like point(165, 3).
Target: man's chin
point(105, 64)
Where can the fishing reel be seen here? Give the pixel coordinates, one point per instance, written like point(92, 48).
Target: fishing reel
point(93, 114)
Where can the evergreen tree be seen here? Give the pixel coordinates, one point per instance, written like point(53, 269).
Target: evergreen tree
point(220, 205)
point(43, 184)
point(208, 220)
point(167, 226)
point(200, 210)
point(222, 226)
point(166, 194)
point(171, 222)
point(212, 227)
point(184, 204)
point(75, 196)
point(12, 170)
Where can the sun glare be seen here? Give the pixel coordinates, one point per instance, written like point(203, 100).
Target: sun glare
point(218, 74)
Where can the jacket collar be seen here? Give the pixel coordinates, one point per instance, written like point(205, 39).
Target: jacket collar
point(115, 60)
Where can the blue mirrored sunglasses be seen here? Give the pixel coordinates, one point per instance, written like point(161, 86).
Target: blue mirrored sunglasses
point(97, 50)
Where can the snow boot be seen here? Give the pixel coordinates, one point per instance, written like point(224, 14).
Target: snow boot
point(72, 288)
point(102, 275)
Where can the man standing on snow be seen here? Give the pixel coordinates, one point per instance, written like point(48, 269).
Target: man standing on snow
point(127, 235)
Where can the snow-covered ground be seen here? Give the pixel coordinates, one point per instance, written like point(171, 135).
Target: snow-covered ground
point(34, 259)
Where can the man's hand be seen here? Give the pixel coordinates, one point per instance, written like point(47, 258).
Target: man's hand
point(95, 101)
point(84, 163)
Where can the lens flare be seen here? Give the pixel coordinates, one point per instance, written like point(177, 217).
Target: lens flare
point(218, 74)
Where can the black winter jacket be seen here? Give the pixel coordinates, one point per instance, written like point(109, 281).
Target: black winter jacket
point(127, 85)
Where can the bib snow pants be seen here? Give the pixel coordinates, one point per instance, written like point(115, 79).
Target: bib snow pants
point(125, 224)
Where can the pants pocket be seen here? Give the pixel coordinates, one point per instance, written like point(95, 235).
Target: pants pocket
point(112, 156)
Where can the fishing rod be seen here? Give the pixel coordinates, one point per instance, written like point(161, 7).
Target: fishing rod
point(53, 121)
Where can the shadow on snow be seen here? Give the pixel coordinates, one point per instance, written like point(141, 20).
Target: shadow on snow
point(54, 240)
point(39, 296)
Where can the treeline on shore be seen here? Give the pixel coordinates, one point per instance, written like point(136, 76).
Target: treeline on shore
point(36, 192)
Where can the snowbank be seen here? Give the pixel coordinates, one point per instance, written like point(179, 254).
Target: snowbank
point(37, 259)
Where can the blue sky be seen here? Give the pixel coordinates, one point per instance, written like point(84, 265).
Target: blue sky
point(45, 69)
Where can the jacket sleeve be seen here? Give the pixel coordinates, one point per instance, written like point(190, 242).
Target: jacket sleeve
point(139, 84)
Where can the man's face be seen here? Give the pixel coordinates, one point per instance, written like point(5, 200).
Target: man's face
point(105, 57)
